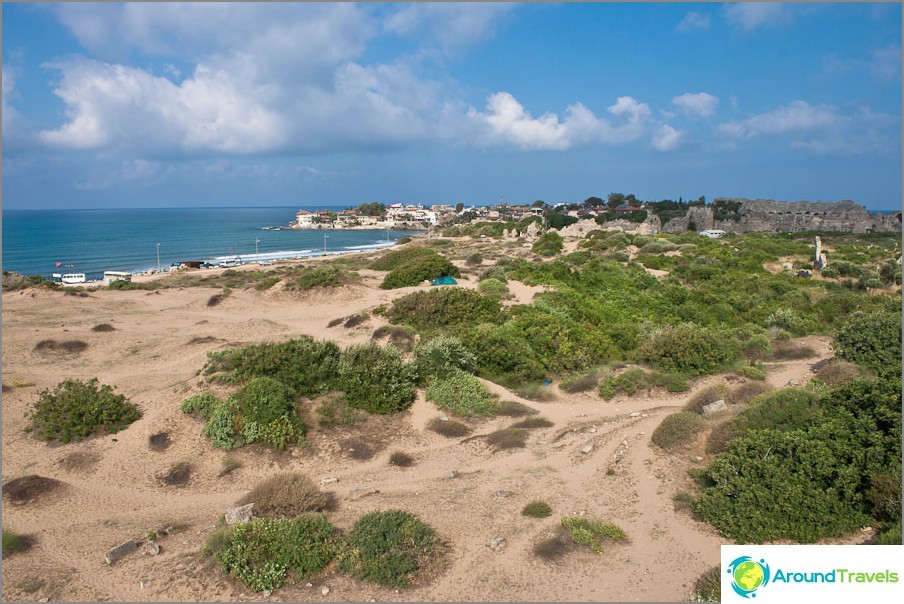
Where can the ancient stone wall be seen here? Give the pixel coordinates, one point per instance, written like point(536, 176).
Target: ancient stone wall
point(760, 215)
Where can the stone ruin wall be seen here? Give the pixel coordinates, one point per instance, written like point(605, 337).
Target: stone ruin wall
point(758, 215)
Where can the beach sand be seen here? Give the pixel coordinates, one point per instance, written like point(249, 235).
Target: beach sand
point(111, 492)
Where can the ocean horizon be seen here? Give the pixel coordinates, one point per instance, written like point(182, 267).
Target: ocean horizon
point(92, 241)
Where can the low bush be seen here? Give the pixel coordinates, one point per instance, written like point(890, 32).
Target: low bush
point(507, 438)
point(376, 379)
point(357, 448)
point(751, 372)
point(461, 393)
point(29, 488)
point(537, 509)
point(785, 350)
point(890, 534)
point(390, 548)
point(514, 409)
point(442, 356)
point(75, 409)
point(308, 277)
point(872, 340)
point(286, 495)
point(494, 272)
point(535, 391)
point(475, 259)
point(722, 435)
point(177, 475)
point(494, 288)
point(265, 552)
point(553, 548)
point(785, 410)
point(704, 397)
point(689, 349)
point(592, 533)
point(12, 542)
point(394, 259)
point(743, 394)
point(103, 328)
point(549, 244)
point(581, 383)
point(678, 429)
point(449, 427)
point(336, 412)
point(426, 268)
point(203, 404)
point(400, 336)
point(708, 587)
point(532, 423)
point(65, 347)
point(444, 307)
point(401, 459)
point(306, 365)
point(838, 372)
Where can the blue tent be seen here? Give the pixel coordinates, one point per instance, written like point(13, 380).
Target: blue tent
point(444, 281)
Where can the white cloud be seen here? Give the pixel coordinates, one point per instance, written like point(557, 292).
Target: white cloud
point(885, 62)
point(452, 26)
point(506, 121)
point(701, 104)
point(794, 117)
point(667, 139)
point(750, 16)
point(693, 22)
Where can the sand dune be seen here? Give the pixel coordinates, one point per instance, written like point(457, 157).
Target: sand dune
point(159, 343)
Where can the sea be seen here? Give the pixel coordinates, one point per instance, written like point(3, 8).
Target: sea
point(43, 242)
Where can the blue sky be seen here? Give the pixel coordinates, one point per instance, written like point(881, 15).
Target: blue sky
point(167, 105)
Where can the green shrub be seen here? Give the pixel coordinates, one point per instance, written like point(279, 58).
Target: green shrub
point(838, 372)
point(461, 393)
point(678, 429)
point(494, 272)
point(786, 409)
point(743, 394)
point(390, 548)
point(310, 277)
point(475, 259)
point(13, 542)
point(751, 372)
point(889, 535)
point(872, 340)
point(537, 509)
point(535, 391)
point(336, 412)
point(442, 356)
point(76, 409)
point(581, 383)
point(444, 307)
point(493, 288)
point(420, 269)
point(263, 400)
point(704, 397)
point(592, 533)
point(286, 495)
point(264, 553)
point(689, 349)
point(376, 379)
point(306, 365)
point(203, 404)
point(549, 244)
point(721, 436)
point(393, 260)
point(708, 587)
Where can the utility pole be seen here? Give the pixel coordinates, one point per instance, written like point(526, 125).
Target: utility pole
point(256, 241)
point(158, 257)
point(325, 237)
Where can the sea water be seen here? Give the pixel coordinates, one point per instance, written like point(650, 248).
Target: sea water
point(94, 241)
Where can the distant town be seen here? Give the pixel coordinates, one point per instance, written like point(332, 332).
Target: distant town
point(616, 211)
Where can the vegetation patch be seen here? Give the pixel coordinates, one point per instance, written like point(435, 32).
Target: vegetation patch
point(536, 509)
point(532, 423)
point(507, 438)
point(309, 277)
point(103, 328)
point(159, 441)
point(357, 449)
point(837, 372)
point(444, 307)
point(635, 380)
point(678, 429)
point(743, 394)
point(177, 475)
point(549, 244)
point(449, 427)
point(514, 409)
point(265, 553)
point(592, 533)
point(400, 336)
point(75, 409)
point(401, 459)
point(390, 548)
point(689, 349)
point(376, 379)
point(787, 350)
point(393, 260)
point(536, 391)
point(426, 268)
point(704, 397)
point(872, 340)
point(64, 347)
point(13, 542)
point(461, 393)
point(30, 488)
point(494, 288)
point(553, 549)
point(216, 300)
point(581, 383)
point(708, 587)
point(334, 411)
point(287, 495)
point(441, 357)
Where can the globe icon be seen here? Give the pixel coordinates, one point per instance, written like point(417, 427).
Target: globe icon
point(748, 575)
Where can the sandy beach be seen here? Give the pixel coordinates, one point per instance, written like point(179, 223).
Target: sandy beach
point(468, 492)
